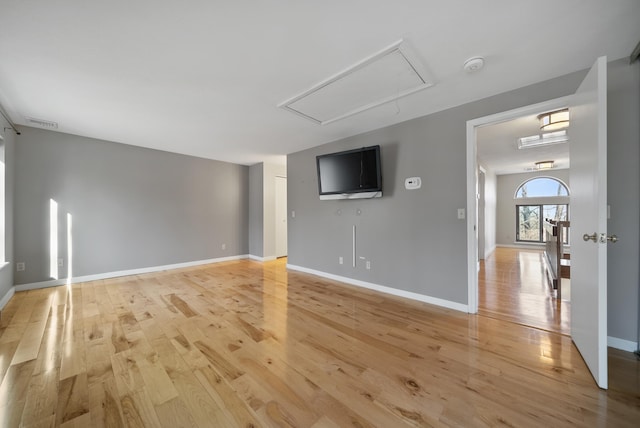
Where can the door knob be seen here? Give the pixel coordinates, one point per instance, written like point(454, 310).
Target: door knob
point(586, 237)
point(612, 238)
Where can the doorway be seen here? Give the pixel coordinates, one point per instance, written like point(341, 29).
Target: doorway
point(473, 191)
point(588, 106)
point(281, 216)
point(514, 201)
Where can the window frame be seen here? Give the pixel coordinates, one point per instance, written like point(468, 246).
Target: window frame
point(540, 221)
point(516, 197)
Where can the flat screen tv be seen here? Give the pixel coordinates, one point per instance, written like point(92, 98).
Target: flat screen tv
point(352, 174)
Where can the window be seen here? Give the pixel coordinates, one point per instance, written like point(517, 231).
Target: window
point(542, 187)
point(530, 220)
point(530, 216)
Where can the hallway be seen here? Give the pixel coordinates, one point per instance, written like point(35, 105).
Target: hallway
point(512, 287)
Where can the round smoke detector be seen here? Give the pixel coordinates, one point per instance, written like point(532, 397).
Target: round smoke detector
point(474, 64)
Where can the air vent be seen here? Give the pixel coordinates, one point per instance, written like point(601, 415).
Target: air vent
point(543, 140)
point(41, 123)
point(386, 76)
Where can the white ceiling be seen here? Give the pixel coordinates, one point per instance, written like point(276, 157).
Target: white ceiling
point(497, 147)
point(205, 77)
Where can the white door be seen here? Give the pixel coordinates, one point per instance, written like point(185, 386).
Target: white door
point(588, 181)
point(281, 216)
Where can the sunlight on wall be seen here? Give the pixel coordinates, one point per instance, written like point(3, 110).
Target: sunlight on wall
point(2, 208)
point(53, 239)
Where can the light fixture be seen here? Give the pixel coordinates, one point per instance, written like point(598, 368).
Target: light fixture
point(548, 164)
point(545, 139)
point(554, 120)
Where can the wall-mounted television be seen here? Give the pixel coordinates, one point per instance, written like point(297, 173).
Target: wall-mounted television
point(352, 174)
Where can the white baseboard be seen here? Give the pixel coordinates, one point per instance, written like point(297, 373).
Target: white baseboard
point(489, 252)
point(523, 246)
point(384, 289)
point(262, 259)
point(107, 275)
point(7, 296)
point(622, 344)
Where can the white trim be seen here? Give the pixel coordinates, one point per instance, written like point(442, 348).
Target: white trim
point(472, 219)
point(107, 275)
point(5, 299)
point(262, 259)
point(489, 252)
point(622, 344)
point(472, 168)
point(384, 289)
point(523, 245)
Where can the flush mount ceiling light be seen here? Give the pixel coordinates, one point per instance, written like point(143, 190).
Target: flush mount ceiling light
point(554, 120)
point(543, 139)
point(385, 76)
point(548, 164)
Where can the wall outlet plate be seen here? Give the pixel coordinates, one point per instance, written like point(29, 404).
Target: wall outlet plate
point(412, 183)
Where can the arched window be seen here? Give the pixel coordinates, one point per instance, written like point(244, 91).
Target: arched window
point(540, 187)
point(530, 217)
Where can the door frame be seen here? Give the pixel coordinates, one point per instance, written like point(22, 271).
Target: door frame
point(482, 246)
point(280, 233)
point(472, 183)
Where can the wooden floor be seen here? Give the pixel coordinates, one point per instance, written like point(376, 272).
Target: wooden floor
point(512, 286)
point(248, 344)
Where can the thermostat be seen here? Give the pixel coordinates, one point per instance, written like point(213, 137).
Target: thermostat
point(412, 183)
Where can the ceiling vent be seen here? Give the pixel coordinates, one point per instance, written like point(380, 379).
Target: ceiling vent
point(386, 76)
point(41, 123)
point(543, 140)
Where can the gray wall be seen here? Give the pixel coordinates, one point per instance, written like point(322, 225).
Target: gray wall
point(623, 158)
point(132, 207)
point(6, 273)
point(506, 204)
point(256, 210)
point(413, 238)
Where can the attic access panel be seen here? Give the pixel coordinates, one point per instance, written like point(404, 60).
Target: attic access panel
point(386, 76)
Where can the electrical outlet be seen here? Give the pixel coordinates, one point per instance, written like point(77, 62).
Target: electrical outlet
point(224, 246)
point(341, 260)
point(368, 264)
point(60, 262)
point(20, 267)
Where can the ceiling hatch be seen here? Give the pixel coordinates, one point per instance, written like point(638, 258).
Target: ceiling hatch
point(383, 77)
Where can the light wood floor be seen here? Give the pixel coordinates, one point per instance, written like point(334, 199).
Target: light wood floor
point(248, 344)
point(512, 287)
